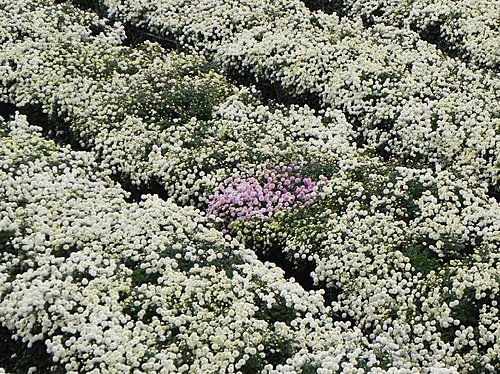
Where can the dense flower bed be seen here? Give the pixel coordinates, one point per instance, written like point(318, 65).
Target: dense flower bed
point(153, 116)
point(141, 250)
point(412, 258)
point(111, 286)
point(404, 96)
point(469, 29)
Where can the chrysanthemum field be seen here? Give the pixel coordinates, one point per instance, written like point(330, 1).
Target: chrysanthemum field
point(249, 186)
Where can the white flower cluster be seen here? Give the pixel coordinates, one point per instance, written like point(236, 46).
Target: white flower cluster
point(412, 257)
point(468, 28)
point(152, 116)
point(404, 95)
point(116, 287)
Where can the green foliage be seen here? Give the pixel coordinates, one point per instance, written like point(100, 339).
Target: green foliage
point(421, 257)
point(60, 251)
point(279, 312)
point(180, 98)
point(309, 368)
point(277, 350)
point(141, 276)
point(253, 365)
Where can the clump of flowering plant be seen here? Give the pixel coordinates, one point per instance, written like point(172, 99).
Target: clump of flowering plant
point(280, 188)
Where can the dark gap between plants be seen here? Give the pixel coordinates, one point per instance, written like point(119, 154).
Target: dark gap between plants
point(301, 275)
point(272, 93)
point(7, 110)
point(432, 35)
point(17, 358)
point(326, 6)
point(494, 192)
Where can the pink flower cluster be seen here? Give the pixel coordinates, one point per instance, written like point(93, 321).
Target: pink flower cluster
point(246, 198)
